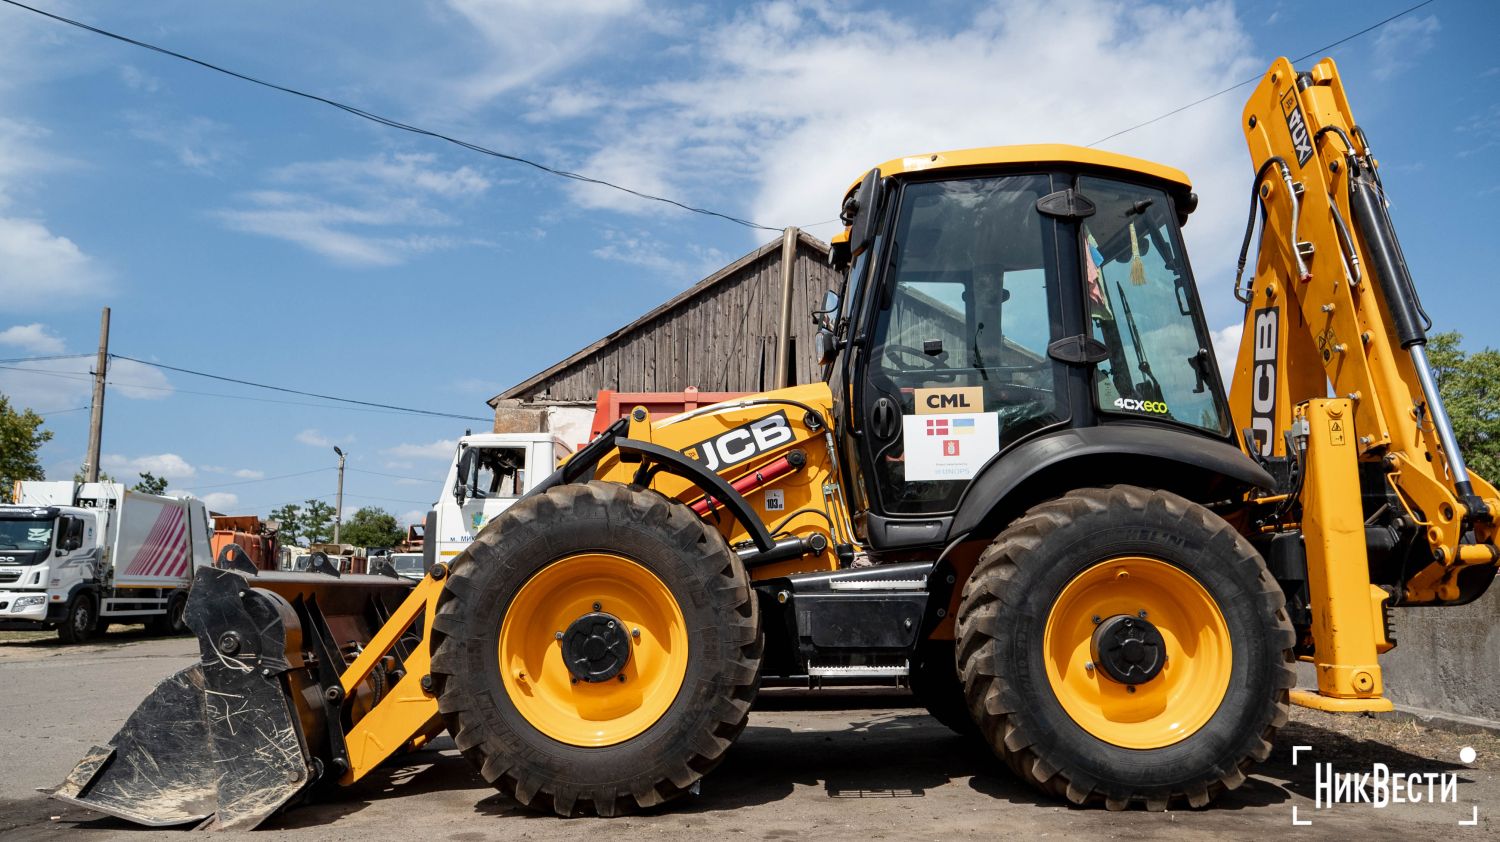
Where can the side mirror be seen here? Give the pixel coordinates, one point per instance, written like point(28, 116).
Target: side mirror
point(826, 346)
point(860, 211)
point(827, 315)
point(70, 534)
point(465, 472)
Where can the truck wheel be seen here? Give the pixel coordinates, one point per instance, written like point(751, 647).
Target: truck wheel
point(78, 625)
point(936, 686)
point(1121, 645)
point(596, 650)
point(172, 622)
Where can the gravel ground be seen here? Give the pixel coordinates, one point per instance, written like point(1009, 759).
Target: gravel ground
point(864, 765)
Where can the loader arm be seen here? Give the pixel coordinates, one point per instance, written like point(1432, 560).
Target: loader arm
point(1332, 391)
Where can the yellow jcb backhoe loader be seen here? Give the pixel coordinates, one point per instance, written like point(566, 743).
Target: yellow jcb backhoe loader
point(1021, 489)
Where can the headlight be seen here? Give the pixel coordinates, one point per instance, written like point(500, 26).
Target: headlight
point(24, 602)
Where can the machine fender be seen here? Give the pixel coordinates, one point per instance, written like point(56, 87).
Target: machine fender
point(711, 483)
point(1196, 467)
point(581, 468)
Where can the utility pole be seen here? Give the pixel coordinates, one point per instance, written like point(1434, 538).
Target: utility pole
point(785, 369)
point(338, 510)
point(96, 414)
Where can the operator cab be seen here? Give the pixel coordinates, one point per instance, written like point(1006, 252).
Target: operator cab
point(993, 296)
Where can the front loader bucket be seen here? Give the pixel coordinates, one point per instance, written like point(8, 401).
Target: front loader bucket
point(229, 741)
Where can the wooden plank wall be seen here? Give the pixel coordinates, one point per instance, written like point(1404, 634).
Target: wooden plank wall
point(721, 340)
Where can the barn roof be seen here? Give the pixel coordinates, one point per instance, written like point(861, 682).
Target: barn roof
point(673, 304)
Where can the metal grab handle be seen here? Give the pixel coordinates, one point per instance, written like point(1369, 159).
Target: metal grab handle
point(883, 419)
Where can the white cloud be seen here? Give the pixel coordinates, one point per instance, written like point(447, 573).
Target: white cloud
point(790, 102)
point(43, 270)
point(413, 516)
point(198, 143)
point(641, 249)
point(221, 501)
point(440, 449)
point(139, 80)
point(403, 171)
point(314, 438)
point(528, 40)
point(1227, 348)
point(1400, 43)
point(250, 473)
point(51, 385)
point(168, 465)
point(398, 465)
point(34, 338)
point(358, 212)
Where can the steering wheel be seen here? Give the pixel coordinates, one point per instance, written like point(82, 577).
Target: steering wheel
point(928, 364)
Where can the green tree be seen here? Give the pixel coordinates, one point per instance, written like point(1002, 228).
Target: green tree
point(21, 436)
point(289, 523)
point(150, 484)
point(372, 527)
point(103, 476)
point(316, 521)
point(1470, 384)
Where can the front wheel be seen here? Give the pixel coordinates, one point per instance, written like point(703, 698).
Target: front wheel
point(78, 625)
point(596, 650)
point(1121, 645)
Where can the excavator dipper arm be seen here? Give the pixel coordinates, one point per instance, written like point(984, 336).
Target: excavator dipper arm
point(1334, 393)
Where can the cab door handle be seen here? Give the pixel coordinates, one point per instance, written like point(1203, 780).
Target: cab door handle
point(884, 419)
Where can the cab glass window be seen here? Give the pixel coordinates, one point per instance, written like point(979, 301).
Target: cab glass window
point(1143, 308)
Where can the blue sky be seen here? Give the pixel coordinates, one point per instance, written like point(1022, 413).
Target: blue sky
point(247, 233)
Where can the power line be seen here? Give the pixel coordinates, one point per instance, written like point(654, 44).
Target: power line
point(289, 391)
point(386, 121)
point(392, 476)
point(44, 358)
point(261, 479)
point(1322, 49)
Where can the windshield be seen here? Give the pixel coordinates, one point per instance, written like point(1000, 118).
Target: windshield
point(1143, 308)
point(25, 534)
point(412, 563)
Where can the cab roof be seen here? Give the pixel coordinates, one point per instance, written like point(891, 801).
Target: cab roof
point(1032, 153)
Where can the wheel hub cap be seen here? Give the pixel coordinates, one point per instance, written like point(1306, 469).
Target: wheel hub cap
point(1128, 649)
point(596, 647)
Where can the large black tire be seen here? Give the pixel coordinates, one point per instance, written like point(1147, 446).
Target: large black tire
point(79, 624)
point(171, 623)
point(708, 583)
point(936, 686)
point(1002, 621)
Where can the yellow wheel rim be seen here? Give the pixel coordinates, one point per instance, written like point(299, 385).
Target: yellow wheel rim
point(1174, 703)
point(537, 678)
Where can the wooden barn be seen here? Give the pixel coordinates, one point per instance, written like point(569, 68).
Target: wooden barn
point(724, 334)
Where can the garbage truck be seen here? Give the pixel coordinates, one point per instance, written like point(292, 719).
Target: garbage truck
point(76, 557)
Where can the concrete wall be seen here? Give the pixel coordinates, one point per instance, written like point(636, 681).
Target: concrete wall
point(1446, 659)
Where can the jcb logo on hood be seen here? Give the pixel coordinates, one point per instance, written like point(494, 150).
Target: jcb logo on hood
point(741, 443)
point(1134, 405)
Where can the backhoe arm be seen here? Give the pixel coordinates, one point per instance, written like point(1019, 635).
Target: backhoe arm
point(1333, 389)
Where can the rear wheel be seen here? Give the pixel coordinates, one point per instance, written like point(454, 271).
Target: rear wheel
point(1125, 646)
point(171, 623)
point(78, 625)
point(596, 650)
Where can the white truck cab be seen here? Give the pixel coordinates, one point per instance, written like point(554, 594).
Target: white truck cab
point(489, 472)
point(76, 557)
